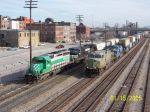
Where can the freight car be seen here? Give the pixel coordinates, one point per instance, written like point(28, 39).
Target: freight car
point(97, 61)
point(96, 46)
point(48, 65)
point(125, 42)
point(113, 41)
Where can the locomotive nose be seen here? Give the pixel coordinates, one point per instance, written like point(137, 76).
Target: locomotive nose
point(34, 68)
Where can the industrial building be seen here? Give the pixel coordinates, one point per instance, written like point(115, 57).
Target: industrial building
point(18, 38)
point(51, 31)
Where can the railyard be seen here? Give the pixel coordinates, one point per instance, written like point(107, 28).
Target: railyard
point(74, 56)
point(122, 86)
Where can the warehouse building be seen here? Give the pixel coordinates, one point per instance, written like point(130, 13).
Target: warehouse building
point(53, 32)
point(18, 38)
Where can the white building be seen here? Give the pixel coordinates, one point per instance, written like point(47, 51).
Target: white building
point(14, 24)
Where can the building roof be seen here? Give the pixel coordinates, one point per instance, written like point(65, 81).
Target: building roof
point(16, 30)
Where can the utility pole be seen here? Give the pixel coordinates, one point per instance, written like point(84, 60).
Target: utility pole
point(80, 20)
point(105, 24)
point(30, 4)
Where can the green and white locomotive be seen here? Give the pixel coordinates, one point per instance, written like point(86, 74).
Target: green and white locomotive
point(98, 60)
point(44, 66)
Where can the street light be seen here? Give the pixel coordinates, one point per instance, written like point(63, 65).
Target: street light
point(30, 4)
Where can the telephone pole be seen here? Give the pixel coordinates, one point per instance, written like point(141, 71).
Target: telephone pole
point(30, 4)
point(105, 24)
point(79, 18)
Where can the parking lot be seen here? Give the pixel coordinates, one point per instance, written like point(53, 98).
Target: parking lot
point(14, 64)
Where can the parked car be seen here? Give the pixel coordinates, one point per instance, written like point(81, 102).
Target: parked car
point(41, 44)
point(25, 47)
point(12, 49)
point(59, 46)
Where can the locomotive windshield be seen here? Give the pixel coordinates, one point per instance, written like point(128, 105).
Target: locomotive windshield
point(51, 56)
point(37, 61)
point(94, 56)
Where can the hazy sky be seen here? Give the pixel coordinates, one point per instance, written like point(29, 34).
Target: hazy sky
point(96, 12)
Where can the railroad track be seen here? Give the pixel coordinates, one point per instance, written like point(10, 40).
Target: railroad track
point(67, 96)
point(120, 100)
point(146, 103)
point(94, 98)
point(58, 103)
point(22, 87)
point(28, 92)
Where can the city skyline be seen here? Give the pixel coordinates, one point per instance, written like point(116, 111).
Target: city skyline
point(95, 13)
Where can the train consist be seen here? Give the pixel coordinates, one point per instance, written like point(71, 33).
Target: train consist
point(50, 64)
point(96, 57)
point(99, 60)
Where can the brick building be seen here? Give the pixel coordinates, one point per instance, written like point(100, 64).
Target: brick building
point(55, 31)
point(4, 22)
point(83, 32)
point(18, 38)
point(69, 31)
point(23, 21)
point(48, 32)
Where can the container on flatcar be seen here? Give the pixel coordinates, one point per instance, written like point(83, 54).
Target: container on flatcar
point(113, 41)
point(125, 42)
point(132, 40)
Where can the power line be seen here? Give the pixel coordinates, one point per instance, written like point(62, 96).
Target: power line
point(79, 18)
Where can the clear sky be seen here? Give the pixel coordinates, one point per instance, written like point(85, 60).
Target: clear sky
point(95, 12)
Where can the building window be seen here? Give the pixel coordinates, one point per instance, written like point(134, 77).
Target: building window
point(20, 34)
point(25, 34)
